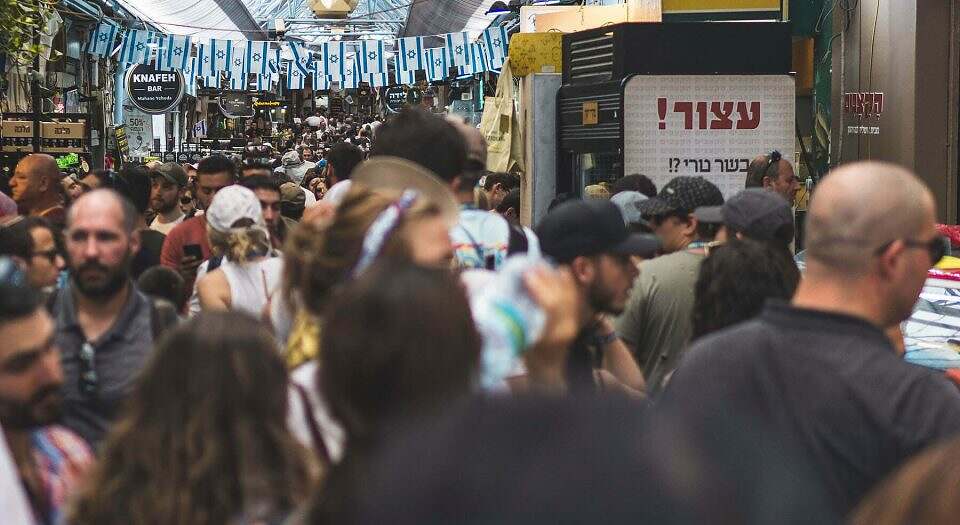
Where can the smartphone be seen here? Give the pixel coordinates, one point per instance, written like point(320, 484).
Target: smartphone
point(193, 250)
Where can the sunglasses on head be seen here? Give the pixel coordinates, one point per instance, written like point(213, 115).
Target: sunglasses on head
point(773, 158)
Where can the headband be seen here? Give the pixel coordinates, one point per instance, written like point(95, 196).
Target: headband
point(381, 229)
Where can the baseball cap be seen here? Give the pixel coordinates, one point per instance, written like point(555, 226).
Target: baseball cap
point(757, 213)
point(629, 204)
point(394, 175)
point(583, 228)
point(682, 194)
point(172, 172)
point(232, 204)
point(291, 158)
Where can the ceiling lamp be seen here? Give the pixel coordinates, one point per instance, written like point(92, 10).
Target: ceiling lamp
point(498, 8)
point(332, 8)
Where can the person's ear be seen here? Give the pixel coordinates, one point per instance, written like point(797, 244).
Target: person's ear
point(767, 182)
point(511, 213)
point(689, 225)
point(134, 243)
point(584, 270)
point(891, 260)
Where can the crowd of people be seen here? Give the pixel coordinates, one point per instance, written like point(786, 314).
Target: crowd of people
point(352, 326)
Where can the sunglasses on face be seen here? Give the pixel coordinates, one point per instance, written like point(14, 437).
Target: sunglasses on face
point(937, 248)
point(49, 255)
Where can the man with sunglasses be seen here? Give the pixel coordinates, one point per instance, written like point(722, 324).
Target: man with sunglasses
point(820, 373)
point(33, 244)
point(49, 458)
point(774, 173)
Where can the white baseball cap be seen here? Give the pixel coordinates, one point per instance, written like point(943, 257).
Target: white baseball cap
point(232, 204)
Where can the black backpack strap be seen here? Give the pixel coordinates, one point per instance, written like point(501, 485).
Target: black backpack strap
point(213, 263)
point(163, 316)
point(315, 435)
point(518, 239)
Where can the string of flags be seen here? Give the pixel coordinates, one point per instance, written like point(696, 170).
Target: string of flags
point(344, 63)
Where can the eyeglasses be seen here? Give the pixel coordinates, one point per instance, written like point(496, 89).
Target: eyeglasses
point(186, 200)
point(937, 248)
point(88, 371)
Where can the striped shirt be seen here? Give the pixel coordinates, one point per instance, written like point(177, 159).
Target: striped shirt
point(61, 458)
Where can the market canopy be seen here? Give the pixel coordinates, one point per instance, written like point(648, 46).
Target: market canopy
point(221, 19)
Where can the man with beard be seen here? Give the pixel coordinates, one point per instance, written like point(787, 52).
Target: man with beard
point(105, 326)
point(592, 240)
point(48, 457)
point(169, 183)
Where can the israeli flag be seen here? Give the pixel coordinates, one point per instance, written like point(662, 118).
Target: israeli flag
point(295, 78)
point(102, 38)
point(334, 55)
point(221, 54)
point(372, 57)
point(174, 53)
point(351, 75)
point(478, 62)
point(458, 48)
point(410, 54)
point(438, 67)
point(321, 82)
point(204, 61)
point(376, 79)
point(495, 44)
point(406, 77)
point(301, 58)
point(212, 81)
point(266, 82)
point(273, 62)
point(190, 77)
point(238, 82)
point(256, 57)
point(238, 64)
point(137, 46)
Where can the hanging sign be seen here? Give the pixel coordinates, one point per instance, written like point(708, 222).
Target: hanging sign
point(705, 125)
point(153, 91)
point(236, 105)
point(396, 99)
point(269, 104)
point(139, 131)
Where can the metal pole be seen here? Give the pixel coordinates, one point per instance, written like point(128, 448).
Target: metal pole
point(36, 101)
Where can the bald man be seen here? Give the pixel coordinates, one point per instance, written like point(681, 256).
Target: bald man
point(774, 173)
point(820, 373)
point(36, 188)
point(105, 326)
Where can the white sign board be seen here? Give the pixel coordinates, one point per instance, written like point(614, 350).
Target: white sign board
point(139, 128)
point(706, 125)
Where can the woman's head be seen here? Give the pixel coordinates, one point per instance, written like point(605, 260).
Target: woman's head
point(399, 341)
point(735, 281)
point(320, 258)
point(203, 435)
point(235, 225)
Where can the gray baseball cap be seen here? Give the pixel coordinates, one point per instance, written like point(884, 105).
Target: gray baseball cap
point(172, 172)
point(756, 213)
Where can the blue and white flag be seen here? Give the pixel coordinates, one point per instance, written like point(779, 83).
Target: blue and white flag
point(190, 77)
point(238, 63)
point(221, 54)
point(204, 61)
point(372, 57)
point(376, 79)
point(478, 62)
point(295, 79)
point(321, 82)
point(102, 38)
point(438, 67)
point(239, 82)
point(138, 46)
point(212, 81)
point(406, 77)
point(266, 82)
point(410, 55)
point(351, 74)
point(301, 57)
point(174, 53)
point(334, 55)
point(495, 44)
point(256, 57)
point(458, 48)
point(273, 62)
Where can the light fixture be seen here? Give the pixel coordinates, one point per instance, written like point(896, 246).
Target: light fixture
point(498, 8)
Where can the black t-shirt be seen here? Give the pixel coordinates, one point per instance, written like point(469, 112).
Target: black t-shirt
point(828, 384)
point(151, 242)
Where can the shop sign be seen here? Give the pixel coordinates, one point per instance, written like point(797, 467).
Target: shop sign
point(269, 104)
point(863, 107)
point(153, 91)
point(591, 113)
point(396, 99)
point(705, 125)
point(169, 156)
point(414, 96)
point(139, 130)
point(123, 147)
point(183, 158)
point(236, 105)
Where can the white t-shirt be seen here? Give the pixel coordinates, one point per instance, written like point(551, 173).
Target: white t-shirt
point(310, 198)
point(331, 432)
point(165, 227)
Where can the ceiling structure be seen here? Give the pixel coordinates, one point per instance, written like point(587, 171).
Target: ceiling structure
point(226, 19)
point(378, 19)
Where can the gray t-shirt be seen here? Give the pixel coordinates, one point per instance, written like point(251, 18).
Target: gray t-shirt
point(657, 321)
point(119, 355)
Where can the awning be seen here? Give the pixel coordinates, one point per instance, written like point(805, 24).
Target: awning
point(224, 19)
point(82, 6)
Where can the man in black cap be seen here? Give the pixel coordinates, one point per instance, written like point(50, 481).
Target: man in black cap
point(656, 324)
point(753, 213)
point(592, 240)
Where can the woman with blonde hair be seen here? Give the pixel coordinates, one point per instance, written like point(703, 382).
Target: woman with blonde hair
point(247, 275)
point(203, 438)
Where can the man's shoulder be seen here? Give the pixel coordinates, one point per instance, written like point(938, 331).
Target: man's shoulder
point(482, 225)
point(744, 339)
point(672, 261)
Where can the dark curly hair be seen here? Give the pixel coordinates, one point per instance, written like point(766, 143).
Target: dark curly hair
point(736, 279)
